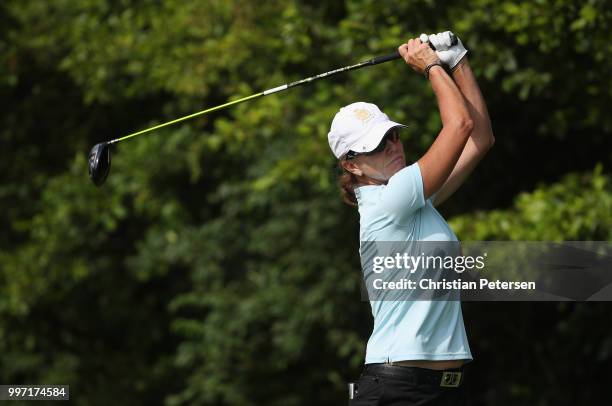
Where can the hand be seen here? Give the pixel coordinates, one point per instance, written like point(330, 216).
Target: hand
point(417, 54)
point(449, 54)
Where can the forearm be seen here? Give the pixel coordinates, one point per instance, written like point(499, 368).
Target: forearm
point(482, 134)
point(451, 103)
point(457, 125)
point(481, 138)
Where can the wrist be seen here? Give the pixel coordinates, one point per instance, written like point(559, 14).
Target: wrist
point(461, 62)
point(433, 69)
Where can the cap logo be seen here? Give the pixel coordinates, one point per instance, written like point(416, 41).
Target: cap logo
point(363, 115)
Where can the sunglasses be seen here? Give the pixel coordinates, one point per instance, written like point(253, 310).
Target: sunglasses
point(391, 135)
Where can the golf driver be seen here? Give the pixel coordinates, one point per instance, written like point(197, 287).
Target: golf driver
point(99, 156)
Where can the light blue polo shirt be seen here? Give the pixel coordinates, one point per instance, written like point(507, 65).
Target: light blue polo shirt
point(409, 330)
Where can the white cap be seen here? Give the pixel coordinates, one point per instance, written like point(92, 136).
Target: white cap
point(358, 127)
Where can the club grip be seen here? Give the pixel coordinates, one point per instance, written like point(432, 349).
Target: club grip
point(385, 58)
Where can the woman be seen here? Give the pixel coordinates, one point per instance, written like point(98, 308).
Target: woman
point(417, 349)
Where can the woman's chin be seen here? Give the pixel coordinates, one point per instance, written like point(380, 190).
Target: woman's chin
point(396, 167)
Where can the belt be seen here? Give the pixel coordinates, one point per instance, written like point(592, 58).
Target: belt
point(450, 378)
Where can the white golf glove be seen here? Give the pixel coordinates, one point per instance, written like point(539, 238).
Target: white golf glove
point(449, 54)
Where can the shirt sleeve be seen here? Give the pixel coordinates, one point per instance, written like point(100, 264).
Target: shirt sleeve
point(403, 194)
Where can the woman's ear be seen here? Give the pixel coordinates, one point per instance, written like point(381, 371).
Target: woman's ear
point(352, 167)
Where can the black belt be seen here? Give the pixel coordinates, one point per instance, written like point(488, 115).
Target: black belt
point(449, 378)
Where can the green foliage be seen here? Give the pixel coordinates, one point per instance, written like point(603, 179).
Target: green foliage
point(579, 208)
point(217, 265)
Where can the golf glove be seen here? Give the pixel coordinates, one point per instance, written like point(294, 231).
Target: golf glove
point(449, 54)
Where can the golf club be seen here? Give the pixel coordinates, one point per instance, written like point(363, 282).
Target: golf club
point(99, 156)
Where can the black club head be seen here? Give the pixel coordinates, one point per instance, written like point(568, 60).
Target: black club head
point(99, 163)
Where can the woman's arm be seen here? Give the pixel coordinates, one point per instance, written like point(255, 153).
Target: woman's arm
point(440, 159)
point(481, 138)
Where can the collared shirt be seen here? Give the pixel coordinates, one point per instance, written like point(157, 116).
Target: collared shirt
point(419, 329)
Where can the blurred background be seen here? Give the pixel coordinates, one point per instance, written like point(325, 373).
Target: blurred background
point(218, 265)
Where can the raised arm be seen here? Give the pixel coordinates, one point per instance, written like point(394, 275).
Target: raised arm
point(481, 139)
point(440, 159)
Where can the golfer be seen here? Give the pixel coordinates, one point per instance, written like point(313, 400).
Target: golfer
point(417, 349)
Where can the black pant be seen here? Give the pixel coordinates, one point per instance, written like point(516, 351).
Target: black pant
point(386, 385)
